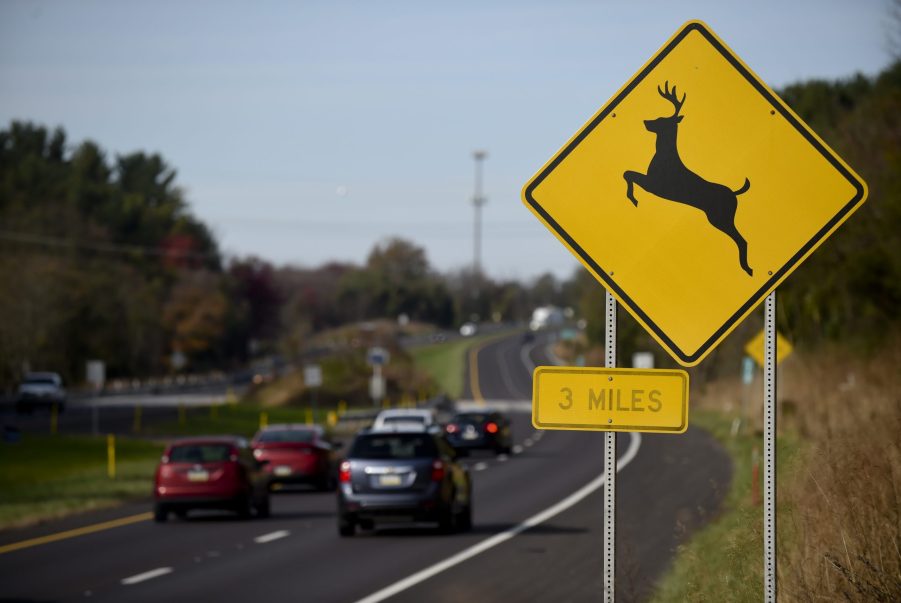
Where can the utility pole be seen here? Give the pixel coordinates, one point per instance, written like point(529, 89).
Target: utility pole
point(478, 201)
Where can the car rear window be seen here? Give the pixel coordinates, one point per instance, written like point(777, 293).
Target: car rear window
point(470, 418)
point(299, 436)
point(200, 453)
point(393, 446)
point(39, 381)
point(403, 419)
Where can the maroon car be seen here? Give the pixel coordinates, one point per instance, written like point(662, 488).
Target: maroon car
point(210, 473)
point(296, 454)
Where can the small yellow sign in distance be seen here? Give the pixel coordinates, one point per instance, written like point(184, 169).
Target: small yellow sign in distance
point(618, 399)
point(755, 350)
point(693, 193)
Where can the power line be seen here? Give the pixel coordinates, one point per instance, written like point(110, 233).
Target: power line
point(68, 243)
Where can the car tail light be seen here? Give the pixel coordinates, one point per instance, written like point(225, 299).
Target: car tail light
point(437, 471)
point(344, 472)
point(164, 459)
point(491, 427)
point(451, 428)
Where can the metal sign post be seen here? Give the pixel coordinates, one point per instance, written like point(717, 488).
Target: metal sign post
point(769, 451)
point(610, 463)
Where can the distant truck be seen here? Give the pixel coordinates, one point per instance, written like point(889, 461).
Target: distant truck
point(40, 389)
point(544, 317)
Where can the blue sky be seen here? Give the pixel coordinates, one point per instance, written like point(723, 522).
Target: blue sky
point(309, 131)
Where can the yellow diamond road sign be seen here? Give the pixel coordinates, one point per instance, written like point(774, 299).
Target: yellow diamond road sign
point(755, 349)
point(693, 193)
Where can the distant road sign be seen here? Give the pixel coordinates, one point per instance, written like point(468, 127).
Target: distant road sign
point(601, 399)
point(312, 375)
point(377, 356)
point(755, 348)
point(693, 193)
point(643, 360)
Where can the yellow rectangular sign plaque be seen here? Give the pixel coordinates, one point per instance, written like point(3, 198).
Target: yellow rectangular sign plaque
point(601, 399)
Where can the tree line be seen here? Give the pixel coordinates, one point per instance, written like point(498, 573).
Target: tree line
point(101, 258)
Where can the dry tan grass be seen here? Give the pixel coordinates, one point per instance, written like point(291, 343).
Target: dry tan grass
point(840, 541)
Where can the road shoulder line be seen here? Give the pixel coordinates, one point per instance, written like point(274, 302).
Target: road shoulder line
point(97, 527)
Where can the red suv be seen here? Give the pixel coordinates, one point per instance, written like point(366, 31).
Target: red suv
point(296, 454)
point(210, 473)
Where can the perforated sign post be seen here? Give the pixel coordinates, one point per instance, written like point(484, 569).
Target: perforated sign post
point(691, 195)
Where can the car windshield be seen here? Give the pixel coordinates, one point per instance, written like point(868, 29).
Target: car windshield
point(294, 436)
point(40, 381)
point(393, 446)
point(200, 453)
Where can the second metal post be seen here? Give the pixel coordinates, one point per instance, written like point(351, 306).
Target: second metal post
point(610, 463)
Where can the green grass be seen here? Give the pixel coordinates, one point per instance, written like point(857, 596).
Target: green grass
point(446, 362)
point(724, 560)
point(44, 477)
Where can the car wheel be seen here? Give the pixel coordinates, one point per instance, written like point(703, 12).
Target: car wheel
point(346, 526)
point(263, 507)
point(446, 520)
point(464, 519)
point(245, 507)
point(182, 513)
point(160, 513)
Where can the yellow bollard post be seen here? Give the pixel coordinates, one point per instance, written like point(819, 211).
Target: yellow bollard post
point(309, 415)
point(136, 425)
point(111, 456)
point(54, 418)
point(182, 416)
point(342, 408)
point(264, 419)
point(332, 419)
point(230, 396)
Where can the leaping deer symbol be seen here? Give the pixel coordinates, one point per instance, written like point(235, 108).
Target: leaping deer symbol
point(668, 178)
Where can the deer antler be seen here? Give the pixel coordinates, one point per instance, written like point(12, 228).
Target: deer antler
point(672, 97)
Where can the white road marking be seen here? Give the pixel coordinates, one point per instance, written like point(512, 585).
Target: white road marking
point(154, 573)
point(525, 354)
point(271, 536)
point(480, 466)
point(501, 458)
point(527, 442)
point(517, 449)
point(493, 541)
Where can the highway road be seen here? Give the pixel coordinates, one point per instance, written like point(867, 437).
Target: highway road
point(537, 534)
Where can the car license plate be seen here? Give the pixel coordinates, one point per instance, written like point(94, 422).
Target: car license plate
point(470, 435)
point(198, 476)
point(283, 470)
point(389, 480)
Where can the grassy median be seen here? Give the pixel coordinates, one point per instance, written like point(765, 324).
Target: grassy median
point(44, 477)
point(446, 362)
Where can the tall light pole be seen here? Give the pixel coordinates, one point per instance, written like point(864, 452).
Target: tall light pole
point(478, 201)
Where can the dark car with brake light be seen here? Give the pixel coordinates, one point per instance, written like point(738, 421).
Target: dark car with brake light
point(480, 430)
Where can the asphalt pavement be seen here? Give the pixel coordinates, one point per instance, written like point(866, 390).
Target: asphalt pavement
point(537, 534)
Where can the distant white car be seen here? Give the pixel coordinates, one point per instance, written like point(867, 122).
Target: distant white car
point(403, 418)
point(468, 329)
point(40, 389)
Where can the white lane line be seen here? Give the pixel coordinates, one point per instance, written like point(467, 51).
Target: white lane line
point(154, 573)
point(527, 442)
point(271, 536)
point(505, 375)
point(501, 458)
point(480, 466)
point(489, 543)
point(517, 449)
point(525, 354)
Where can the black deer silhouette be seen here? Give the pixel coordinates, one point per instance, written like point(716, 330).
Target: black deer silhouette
point(668, 178)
